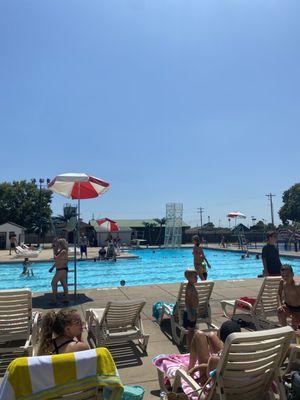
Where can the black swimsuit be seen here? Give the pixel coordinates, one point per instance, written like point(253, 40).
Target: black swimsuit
point(293, 308)
point(56, 348)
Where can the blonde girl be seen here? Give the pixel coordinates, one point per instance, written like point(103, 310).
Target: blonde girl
point(61, 274)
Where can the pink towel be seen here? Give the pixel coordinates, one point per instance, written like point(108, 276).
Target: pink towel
point(169, 364)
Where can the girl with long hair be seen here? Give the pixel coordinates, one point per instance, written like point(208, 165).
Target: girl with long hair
point(61, 274)
point(61, 332)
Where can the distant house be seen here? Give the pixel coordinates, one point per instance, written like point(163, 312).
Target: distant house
point(129, 229)
point(102, 235)
point(11, 229)
point(239, 229)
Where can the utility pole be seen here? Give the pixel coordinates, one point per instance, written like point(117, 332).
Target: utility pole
point(200, 211)
point(270, 197)
point(208, 219)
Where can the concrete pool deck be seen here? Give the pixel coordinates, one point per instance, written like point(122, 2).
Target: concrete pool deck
point(46, 255)
point(134, 367)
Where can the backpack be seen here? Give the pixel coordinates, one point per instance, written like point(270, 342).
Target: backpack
point(294, 392)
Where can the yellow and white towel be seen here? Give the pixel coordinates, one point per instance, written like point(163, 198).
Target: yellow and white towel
point(44, 377)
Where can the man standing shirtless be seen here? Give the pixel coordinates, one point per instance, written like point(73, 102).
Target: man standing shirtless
point(289, 298)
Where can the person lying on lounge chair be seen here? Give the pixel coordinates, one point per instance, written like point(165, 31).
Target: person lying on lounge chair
point(205, 351)
point(206, 348)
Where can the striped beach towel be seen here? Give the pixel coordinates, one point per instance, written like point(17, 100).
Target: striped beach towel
point(46, 377)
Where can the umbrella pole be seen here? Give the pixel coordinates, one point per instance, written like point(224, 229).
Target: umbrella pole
point(76, 240)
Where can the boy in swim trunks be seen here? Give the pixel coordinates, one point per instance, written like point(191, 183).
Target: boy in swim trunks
point(191, 304)
point(200, 261)
point(289, 298)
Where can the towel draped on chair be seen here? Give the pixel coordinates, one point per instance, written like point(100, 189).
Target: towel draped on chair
point(45, 377)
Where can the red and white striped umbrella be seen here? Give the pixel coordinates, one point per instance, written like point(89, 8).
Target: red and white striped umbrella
point(236, 214)
point(78, 186)
point(108, 225)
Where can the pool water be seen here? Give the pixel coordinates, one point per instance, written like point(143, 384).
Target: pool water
point(159, 266)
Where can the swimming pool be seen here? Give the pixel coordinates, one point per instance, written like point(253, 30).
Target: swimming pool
point(161, 266)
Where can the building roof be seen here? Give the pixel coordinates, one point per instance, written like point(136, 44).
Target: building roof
point(12, 223)
point(98, 228)
point(72, 224)
point(128, 224)
point(240, 227)
point(139, 223)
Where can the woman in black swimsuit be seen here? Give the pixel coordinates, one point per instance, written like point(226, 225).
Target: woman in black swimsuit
point(61, 274)
point(61, 332)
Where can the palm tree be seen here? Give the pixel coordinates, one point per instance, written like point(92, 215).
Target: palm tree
point(148, 228)
point(41, 227)
point(161, 222)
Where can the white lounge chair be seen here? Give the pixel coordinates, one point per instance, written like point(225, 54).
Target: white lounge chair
point(71, 251)
point(89, 374)
point(249, 364)
point(118, 321)
point(265, 305)
point(204, 290)
point(18, 326)
point(25, 247)
point(24, 253)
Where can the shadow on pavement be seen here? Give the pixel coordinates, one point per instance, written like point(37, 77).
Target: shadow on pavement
point(44, 301)
point(126, 354)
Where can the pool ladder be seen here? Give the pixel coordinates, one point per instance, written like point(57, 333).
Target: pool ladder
point(243, 244)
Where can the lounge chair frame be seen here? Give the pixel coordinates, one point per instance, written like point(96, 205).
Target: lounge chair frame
point(118, 321)
point(18, 325)
point(26, 253)
point(204, 290)
point(265, 306)
point(249, 363)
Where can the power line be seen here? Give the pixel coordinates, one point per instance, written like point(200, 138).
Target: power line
point(270, 197)
point(200, 211)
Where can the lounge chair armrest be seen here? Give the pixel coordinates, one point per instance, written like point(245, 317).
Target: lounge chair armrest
point(182, 374)
point(95, 315)
point(35, 331)
point(249, 306)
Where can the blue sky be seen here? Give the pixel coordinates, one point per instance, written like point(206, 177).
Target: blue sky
point(170, 101)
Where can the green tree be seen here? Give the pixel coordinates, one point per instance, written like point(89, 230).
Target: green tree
point(24, 204)
point(148, 230)
point(290, 211)
point(259, 226)
point(41, 226)
point(208, 226)
point(161, 222)
point(69, 213)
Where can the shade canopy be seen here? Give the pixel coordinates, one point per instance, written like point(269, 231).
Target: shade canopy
point(108, 225)
point(236, 214)
point(78, 186)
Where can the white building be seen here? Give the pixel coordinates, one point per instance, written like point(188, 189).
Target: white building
point(10, 229)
